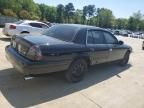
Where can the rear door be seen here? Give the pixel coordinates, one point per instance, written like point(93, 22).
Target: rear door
point(116, 51)
point(98, 49)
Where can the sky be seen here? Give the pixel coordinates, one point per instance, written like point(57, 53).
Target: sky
point(120, 8)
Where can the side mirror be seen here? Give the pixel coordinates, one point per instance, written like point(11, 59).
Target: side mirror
point(120, 42)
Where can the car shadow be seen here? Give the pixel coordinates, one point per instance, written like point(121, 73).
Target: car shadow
point(5, 39)
point(20, 93)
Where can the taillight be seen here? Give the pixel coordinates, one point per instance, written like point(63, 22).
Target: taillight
point(12, 27)
point(34, 53)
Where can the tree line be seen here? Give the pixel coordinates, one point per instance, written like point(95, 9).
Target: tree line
point(90, 15)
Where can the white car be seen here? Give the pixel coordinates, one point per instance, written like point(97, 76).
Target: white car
point(135, 35)
point(143, 45)
point(24, 27)
point(141, 35)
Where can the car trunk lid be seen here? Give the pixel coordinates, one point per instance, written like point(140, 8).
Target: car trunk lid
point(42, 39)
point(22, 44)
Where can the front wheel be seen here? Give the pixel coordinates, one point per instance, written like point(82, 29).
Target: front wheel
point(24, 33)
point(125, 60)
point(76, 71)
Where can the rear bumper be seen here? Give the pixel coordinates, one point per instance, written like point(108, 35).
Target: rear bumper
point(28, 67)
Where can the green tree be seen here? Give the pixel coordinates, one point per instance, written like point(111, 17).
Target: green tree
point(60, 13)
point(69, 11)
point(9, 12)
point(84, 14)
point(121, 23)
point(105, 18)
point(24, 14)
point(43, 9)
point(132, 24)
point(141, 25)
point(88, 12)
point(78, 17)
point(135, 21)
point(51, 14)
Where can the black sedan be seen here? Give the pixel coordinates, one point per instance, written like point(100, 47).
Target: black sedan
point(67, 47)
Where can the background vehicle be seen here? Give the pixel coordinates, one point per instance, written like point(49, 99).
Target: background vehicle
point(141, 35)
point(66, 47)
point(124, 33)
point(143, 45)
point(24, 27)
point(116, 32)
point(137, 35)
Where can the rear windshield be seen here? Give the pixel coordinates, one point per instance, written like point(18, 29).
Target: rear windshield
point(62, 32)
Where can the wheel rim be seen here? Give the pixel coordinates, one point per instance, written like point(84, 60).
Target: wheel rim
point(78, 69)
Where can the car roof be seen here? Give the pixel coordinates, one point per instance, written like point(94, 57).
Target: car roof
point(32, 21)
point(79, 26)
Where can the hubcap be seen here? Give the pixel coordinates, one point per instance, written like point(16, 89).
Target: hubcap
point(78, 69)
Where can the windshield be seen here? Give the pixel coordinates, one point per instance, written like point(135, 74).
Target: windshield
point(62, 32)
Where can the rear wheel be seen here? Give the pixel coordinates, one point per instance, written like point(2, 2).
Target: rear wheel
point(76, 71)
point(125, 60)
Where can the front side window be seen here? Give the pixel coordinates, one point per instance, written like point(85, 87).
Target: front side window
point(109, 38)
point(95, 37)
point(36, 25)
point(81, 37)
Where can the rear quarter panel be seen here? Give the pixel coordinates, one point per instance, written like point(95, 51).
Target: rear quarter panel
point(67, 53)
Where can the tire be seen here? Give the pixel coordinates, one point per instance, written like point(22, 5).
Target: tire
point(125, 60)
point(142, 48)
point(76, 71)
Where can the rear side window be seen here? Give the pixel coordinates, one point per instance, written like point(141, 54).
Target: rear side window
point(81, 37)
point(36, 25)
point(95, 37)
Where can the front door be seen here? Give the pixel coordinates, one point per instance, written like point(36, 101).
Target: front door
point(98, 49)
point(116, 52)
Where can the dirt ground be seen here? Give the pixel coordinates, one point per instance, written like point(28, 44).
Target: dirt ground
point(105, 86)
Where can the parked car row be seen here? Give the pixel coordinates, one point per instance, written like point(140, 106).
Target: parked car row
point(127, 33)
point(137, 35)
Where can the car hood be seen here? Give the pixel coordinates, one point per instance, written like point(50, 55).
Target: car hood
point(43, 40)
